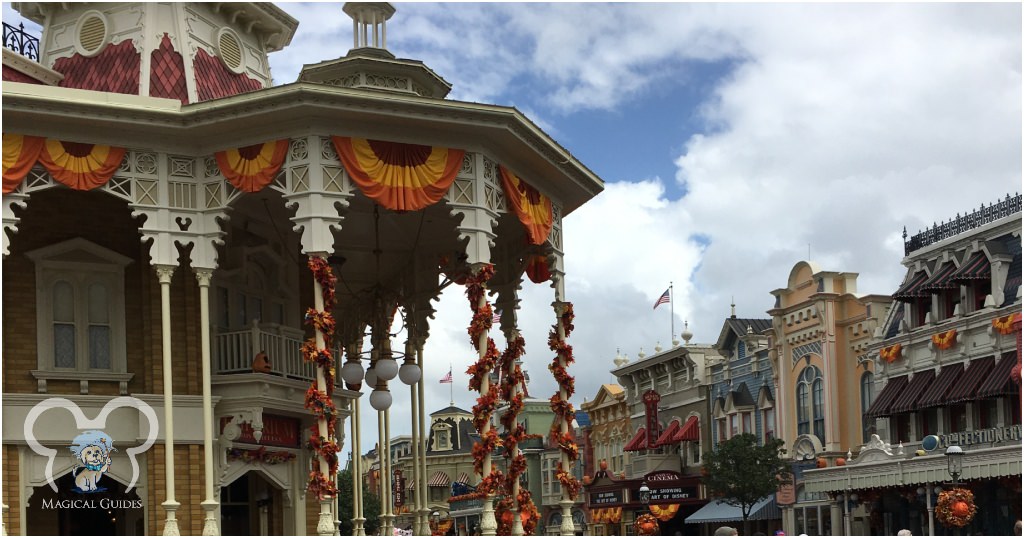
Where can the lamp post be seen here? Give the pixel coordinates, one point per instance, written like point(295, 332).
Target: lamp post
point(955, 462)
point(645, 495)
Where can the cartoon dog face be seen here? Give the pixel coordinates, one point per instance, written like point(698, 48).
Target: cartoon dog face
point(93, 455)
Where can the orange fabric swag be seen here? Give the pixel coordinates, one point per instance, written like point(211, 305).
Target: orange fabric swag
point(400, 177)
point(664, 512)
point(80, 166)
point(253, 167)
point(532, 207)
point(20, 155)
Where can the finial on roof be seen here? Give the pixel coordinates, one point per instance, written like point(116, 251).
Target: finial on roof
point(619, 360)
point(733, 305)
point(750, 330)
point(657, 347)
point(687, 335)
point(641, 354)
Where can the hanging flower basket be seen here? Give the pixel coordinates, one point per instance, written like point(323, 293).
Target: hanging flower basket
point(956, 507)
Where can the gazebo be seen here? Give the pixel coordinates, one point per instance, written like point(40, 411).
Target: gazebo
point(372, 193)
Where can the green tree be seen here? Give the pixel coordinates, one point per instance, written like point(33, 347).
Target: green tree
point(371, 505)
point(741, 472)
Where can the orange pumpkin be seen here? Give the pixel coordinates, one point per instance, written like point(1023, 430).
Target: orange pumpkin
point(960, 509)
point(604, 465)
point(840, 462)
point(822, 463)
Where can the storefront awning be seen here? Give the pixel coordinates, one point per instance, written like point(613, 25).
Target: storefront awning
point(887, 397)
point(966, 387)
point(410, 483)
point(667, 437)
point(464, 478)
point(638, 442)
point(690, 431)
point(719, 512)
point(912, 289)
point(439, 480)
point(935, 394)
point(907, 399)
point(975, 268)
point(998, 382)
point(941, 279)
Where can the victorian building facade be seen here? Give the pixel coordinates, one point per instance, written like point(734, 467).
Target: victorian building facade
point(947, 372)
point(821, 330)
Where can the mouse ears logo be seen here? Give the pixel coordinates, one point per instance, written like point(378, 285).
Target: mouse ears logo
point(92, 448)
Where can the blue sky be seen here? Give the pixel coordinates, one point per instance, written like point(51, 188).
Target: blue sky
point(733, 137)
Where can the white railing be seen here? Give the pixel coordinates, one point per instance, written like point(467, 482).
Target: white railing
point(233, 351)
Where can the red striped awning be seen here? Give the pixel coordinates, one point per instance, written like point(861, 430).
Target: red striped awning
point(464, 478)
point(967, 386)
point(977, 267)
point(638, 442)
point(941, 279)
point(935, 394)
point(998, 383)
point(884, 401)
point(439, 480)
point(907, 400)
point(667, 437)
point(912, 288)
point(690, 431)
point(410, 483)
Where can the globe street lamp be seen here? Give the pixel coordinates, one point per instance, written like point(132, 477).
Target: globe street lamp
point(955, 462)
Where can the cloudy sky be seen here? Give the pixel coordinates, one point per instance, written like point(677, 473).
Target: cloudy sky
point(733, 139)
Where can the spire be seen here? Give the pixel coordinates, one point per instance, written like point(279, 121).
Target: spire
point(733, 305)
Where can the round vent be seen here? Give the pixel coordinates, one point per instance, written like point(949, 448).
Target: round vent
point(92, 33)
point(230, 50)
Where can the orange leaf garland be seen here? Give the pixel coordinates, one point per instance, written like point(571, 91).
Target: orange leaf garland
point(400, 177)
point(251, 168)
point(944, 340)
point(532, 207)
point(80, 166)
point(1003, 325)
point(891, 353)
point(664, 512)
point(20, 154)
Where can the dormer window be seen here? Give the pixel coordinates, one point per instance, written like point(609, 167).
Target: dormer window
point(920, 301)
point(442, 437)
point(947, 292)
point(976, 275)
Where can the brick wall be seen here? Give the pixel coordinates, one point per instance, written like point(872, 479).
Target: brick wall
point(9, 474)
point(188, 489)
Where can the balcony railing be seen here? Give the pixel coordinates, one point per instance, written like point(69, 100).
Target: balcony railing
point(959, 225)
point(21, 42)
point(233, 351)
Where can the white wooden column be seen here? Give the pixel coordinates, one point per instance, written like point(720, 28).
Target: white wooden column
point(421, 484)
point(164, 273)
point(209, 504)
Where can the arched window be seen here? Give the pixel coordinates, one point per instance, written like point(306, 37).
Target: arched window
point(810, 403)
point(867, 397)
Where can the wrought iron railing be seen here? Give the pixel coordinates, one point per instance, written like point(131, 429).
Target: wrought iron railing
point(20, 41)
point(979, 217)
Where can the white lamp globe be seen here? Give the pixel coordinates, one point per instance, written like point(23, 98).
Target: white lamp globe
point(409, 373)
point(352, 372)
point(380, 399)
point(371, 377)
point(386, 369)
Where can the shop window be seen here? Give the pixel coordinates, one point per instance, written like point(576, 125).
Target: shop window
point(902, 422)
point(768, 423)
point(957, 418)
point(988, 413)
point(746, 423)
point(867, 397)
point(929, 421)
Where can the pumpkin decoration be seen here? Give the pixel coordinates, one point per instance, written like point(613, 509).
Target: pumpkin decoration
point(604, 465)
point(822, 463)
point(956, 507)
point(840, 462)
point(647, 525)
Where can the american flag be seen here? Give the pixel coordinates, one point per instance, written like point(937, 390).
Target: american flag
point(495, 318)
point(662, 300)
point(447, 377)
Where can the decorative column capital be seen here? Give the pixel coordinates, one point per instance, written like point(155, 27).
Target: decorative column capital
point(164, 273)
point(203, 276)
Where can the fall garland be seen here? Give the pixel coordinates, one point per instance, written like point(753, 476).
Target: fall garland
point(646, 525)
point(486, 403)
point(512, 378)
point(321, 402)
point(944, 340)
point(1004, 325)
point(956, 507)
point(259, 455)
point(891, 353)
point(563, 409)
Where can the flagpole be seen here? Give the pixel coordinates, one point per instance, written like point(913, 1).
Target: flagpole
point(451, 385)
point(672, 305)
